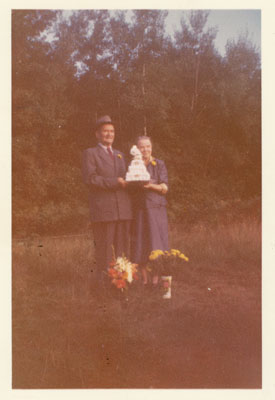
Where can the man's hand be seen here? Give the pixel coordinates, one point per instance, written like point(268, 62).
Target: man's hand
point(122, 182)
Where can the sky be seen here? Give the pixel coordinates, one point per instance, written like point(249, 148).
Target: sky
point(230, 24)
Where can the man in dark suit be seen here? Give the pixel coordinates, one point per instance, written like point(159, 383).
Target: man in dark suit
point(104, 170)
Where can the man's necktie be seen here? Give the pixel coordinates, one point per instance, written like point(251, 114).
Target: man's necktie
point(110, 153)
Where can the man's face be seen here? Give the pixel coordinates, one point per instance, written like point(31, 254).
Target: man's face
point(106, 134)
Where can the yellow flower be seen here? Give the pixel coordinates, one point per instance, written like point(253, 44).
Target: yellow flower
point(175, 252)
point(153, 257)
point(183, 257)
point(155, 254)
point(119, 156)
point(153, 163)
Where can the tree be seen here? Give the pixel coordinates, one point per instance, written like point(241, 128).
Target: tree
point(241, 100)
point(149, 41)
point(202, 110)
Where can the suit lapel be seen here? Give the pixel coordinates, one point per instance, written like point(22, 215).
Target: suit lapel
point(105, 156)
point(116, 161)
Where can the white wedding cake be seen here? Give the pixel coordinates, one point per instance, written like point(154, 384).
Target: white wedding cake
point(137, 170)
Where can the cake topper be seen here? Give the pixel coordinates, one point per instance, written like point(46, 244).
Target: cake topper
point(136, 153)
point(137, 171)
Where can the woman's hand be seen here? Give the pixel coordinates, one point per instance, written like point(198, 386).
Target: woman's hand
point(160, 188)
point(148, 185)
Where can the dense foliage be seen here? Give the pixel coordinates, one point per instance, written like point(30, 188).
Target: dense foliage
point(202, 111)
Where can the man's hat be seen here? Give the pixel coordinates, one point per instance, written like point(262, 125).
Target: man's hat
point(104, 120)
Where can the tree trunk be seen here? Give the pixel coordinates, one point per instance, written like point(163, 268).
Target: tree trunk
point(196, 84)
point(143, 94)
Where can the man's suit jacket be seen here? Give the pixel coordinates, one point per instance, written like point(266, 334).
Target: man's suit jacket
point(107, 199)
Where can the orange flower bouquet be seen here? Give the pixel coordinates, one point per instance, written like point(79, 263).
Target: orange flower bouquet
point(122, 272)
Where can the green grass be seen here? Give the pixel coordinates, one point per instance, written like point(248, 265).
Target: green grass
point(64, 336)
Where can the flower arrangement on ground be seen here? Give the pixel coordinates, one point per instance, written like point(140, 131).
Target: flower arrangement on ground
point(122, 272)
point(167, 262)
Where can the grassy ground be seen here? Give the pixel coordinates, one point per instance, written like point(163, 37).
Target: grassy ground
point(207, 336)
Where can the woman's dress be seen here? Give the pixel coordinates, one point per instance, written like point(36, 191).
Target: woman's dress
point(150, 223)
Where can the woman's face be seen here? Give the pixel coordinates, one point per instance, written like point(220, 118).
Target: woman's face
point(145, 147)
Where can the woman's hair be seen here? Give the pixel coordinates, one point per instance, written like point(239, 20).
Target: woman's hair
point(143, 138)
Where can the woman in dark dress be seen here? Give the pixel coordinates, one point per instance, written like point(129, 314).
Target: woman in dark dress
point(150, 224)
